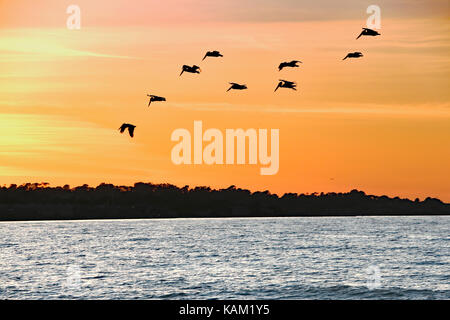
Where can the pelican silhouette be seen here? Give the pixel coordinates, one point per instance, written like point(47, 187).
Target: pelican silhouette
point(237, 86)
point(368, 32)
point(291, 64)
point(154, 98)
point(353, 55)
point(193, 69)
point(128, 126)
point(286, 84)
point(214, 53)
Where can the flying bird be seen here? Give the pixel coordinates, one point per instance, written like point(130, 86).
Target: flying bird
point(128, 126)
point(155, 98)
point(291, 64)
point(214, 53)
point(193, 69)
point(237, 86)
point(368, 32)
point(353, 55)
point(286, 84)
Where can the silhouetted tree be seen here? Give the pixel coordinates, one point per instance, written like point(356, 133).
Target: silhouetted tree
point(146, 200)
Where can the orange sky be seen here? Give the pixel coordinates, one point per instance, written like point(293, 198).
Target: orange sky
point(380, 124)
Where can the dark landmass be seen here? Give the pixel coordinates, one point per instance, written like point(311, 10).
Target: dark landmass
point(38, 201)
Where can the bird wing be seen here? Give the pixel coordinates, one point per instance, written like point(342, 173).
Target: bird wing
point(131, 131)
point(150, 101)
point(122, 128)
point(281, 66)
point(181, 72)
point(348, 55)
point(362, 32)
point(205, 56)
point(232, 85)
point(279, 85)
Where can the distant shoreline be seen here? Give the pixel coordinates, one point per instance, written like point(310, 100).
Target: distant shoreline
point(228, 217)
point(39, 202)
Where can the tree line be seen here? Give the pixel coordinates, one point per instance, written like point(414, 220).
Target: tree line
point(39, 201)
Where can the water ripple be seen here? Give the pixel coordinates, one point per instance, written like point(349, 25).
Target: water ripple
point(237, 258)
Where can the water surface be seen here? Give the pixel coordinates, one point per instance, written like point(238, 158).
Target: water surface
point(232, 258)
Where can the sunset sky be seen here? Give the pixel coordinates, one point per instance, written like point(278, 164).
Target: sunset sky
point(379, 124)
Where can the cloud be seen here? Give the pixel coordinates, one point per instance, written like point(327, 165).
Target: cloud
point(439, 110)
point(52, 13)
point(32, 48)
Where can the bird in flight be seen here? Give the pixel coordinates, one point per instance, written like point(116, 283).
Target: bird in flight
point(286, 84)
point(237, 86)
point(368, 32)
point(155, 98)
point(214, 53)
point(193, 69)
point(291, 64)
point(353, 55)
point(128, 126)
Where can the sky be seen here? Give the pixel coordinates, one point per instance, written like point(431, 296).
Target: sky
point(379, 124)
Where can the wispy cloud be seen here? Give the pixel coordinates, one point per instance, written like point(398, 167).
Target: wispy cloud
point(421, 110)
point(32, 48)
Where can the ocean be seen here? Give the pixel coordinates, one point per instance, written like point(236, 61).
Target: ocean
point(230, 258)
